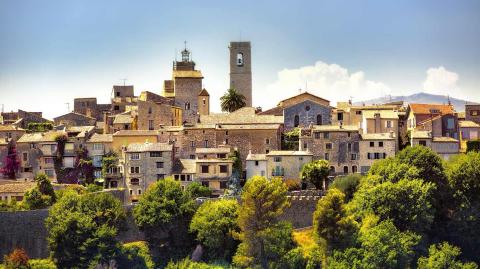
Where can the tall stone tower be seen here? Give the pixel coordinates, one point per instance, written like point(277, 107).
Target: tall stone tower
point(241, 69)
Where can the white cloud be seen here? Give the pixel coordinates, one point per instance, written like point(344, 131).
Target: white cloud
point(330, 81)
point(441, 81)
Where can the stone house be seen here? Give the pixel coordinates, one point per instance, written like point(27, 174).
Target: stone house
point(144, 164)
point(302, 110)
point(22, 118)
point(213, 168)
point(75, 119)
point(122, 96)
point(375, 146)
point(151, 115)
point(339, 145)
point(124, 121)
point(379, 121)
point(97, 147)
point(10, 132)
point(256, 165)
point(126, 137)
point(444, 146)
point(184, 171)
point(472, 112)
point(469, 130)
point(287, 164)
point(349, 114)
point(15, 191)
point(439, 119)
point(90, 108)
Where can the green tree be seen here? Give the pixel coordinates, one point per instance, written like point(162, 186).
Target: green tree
point(164, 213)
point(214, 223)
point(263, 201)
point(135, 255)
point(407, 203)
point(232, 100)
point(347, 184)
point(332, 227)
point(195, 190)
point(444, 256)
point(393, 170)
point(82, 229)
point(42, 196)
point(45, 186)
point(315, 172)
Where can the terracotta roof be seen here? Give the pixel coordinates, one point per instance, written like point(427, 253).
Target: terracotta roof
point(184, 166)
point(384, 114)
point(123, 119)
point(145, 147)
point(101, 138)
point(203, 92)
point(16, 187)
point(468, 124)
point(135, 133)
point(431, 109)
point(378, 136)
point(256, 157)
point(187, 74)
point(444, 139)
point(336, 128)
point(212, 150)
point(288, 153)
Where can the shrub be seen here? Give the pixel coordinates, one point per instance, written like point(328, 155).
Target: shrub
point(293, 185)
point(347, 184)
point(41, 264)
point(18, 259)
point(135, 255)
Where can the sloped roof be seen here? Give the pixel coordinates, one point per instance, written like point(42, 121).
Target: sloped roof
point(336, 128)
point(276, 111)
point(40, 137)
point(445, 139)
point(303, 94)
point(212, 150)
point(75, 114)
point(204, 92)
point(10, 128)
point(421, 134)
point(244, 115)
point(468, 124)
point(184, 166)
point(187, 74)
point(123, 119)
point(101, 138)
point(428, 108)
point(142, 147)
point(289, 153)
point(16, 187)
point(384, 114)
point(256, 157)
point(378, 136)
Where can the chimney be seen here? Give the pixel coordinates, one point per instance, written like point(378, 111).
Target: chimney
point(378, 122)
point(106, 125)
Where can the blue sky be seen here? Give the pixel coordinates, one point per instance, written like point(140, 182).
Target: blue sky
point(53, 51)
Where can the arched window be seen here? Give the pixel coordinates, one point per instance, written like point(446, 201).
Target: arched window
point(345, 169)
point(239, 59)
point(296, 121)
point(187, 106)
point(319, 119)
point(332, 170)
point(150, 110)
point(134, 181)
point(354, 169)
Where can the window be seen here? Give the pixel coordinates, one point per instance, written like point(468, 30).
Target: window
point(277, 159)
point(97, 173)
point(187, 106)
point(135, 156)
point(319, 119)
point(223, 185)
point(317, 135)
point(358, 112)
point(450, 123)
point(223, 169)
point(239, 59)
point(176, 177)
point(221, 155)
point(296, 121)
point(332, 169)
point(97, 161)
point(134, 181)
point(182, 177)
point(354, 169)
point(474, 113)
point(256, 163)
point(134, 170)
point(226, 132)
point(49, 161)
point(328, 146)
point(345, 169)
point(376, 155)
point(205, 183)
point(131, 192)
point(192, 157)
point(422, 143)
point(226, 141)
point(340, 116)
point(125, 127)
point(118, 94)
point(97, 146)
point(160, 164)
point(155, 154)
point(205, 143)
point(300, 158)
point(139, 192)
point(189, 177)
point(116, 108)
point(204, 101)
point(307, 108)
point(389, 124)
point(326, 135)
point(25, 156)
point(150, 110)
point(305, 146)
point(49, 172)
point(204, 169)
point(267, 141)
point(380, 144)
point(150, 125)
point(349, 147)
point(192, 144)
point(384, 155)
point(372, 144)
point(353, 156)
point(327, 156)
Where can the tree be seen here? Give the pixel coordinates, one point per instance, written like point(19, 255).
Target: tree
point(164, 213)
point(45, 186)
point(263, 201)
point(11, 162)
point(408, 203)
point(444, 256)
point(18, 259)
point(41, 196)
point(393, 170)
point(315, 172)
point(214, 223)
point(195, 190)
point(332, 226)
point(232, 100)
point(347, 184)
point(82, 229)
point(35, 127)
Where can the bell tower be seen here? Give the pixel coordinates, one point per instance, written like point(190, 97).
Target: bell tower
point(241, 69)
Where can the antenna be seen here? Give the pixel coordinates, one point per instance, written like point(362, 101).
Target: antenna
point(240, 35)
point(68, 106)
point(185, 42)
point(3, 106)
point(124, 79)
point(306, 86)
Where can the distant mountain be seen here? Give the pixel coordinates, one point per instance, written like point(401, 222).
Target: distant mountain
point(421, 97)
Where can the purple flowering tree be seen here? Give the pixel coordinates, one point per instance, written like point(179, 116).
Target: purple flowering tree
point(11, 162)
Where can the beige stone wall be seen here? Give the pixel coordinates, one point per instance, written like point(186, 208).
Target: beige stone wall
point(152, 115)
point(291, 164)
point(187, 90)
point(389, 148)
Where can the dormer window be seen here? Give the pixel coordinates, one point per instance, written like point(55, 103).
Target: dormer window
point(434, 111)
point(239, 59)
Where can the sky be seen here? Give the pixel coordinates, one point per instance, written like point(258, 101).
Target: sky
point(54, 51)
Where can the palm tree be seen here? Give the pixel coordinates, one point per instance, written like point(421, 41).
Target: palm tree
point(232, 100)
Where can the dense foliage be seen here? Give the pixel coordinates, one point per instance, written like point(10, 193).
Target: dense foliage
point(316, 173)
point(232, 100)
point(41, 196)
point(196, 189)
point(11, 163)
point(35, 127)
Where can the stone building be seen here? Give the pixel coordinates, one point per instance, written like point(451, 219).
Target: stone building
point(185, 87)
point(339, 145)
point(213, 168)
point(472, 112)
point(22, 118)
point(375, 146)
point(469, 130)
point(184, 171)
point(89, 107)
point(256, 165)
point(10, 132)
point(122, 96)
point(440, 120)
point(124, 121)
point(98, 146)
point(302, 110)
point(278, 163)
point(144, 164)
point(15, 191)
point(241, 69)
point(75, 119)
point(443, 146)
point(204, 102)
point(151, 115)
point(349, 114)
point(124, 138)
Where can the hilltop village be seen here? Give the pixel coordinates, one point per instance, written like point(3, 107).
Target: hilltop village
point(140, 138)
